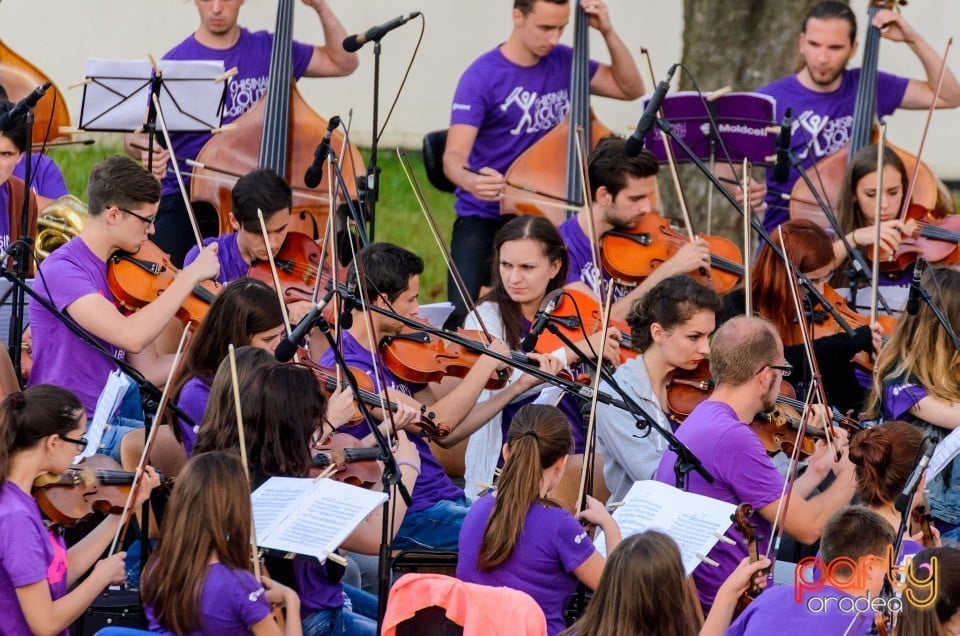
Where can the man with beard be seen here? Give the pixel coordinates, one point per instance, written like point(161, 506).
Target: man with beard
point(747, 364)
point(823, 92)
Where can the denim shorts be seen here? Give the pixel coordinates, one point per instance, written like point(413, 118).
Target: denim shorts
point(436, 528)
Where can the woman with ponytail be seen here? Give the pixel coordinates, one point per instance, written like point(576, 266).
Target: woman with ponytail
point(519, 538)
point(885, 457)
point(42, 431)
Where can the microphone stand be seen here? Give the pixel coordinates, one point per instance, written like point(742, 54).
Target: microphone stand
point(391, 471)
point(686, 460)
point(20, 251)
point(342, 188)
point(370, 187)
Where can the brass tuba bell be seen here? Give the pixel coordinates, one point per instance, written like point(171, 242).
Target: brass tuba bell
point(58, 223)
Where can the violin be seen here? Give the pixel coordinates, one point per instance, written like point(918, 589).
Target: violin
point(632, 255)
point(742, 520)
point(298, 263)
point(329, 383)
point(354, 464)
point(922, 519)
point(938, 241)
point(577, 316)
point(138, 279)
point(826, 324)
point(97, 484)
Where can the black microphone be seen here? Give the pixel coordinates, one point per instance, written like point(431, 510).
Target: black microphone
point(649, 117)
point(353, 42)
point(287, 347)
point(903, 499)
point(782, 167)
point(547, 307)
point(313, 175)
point(349, 304)
point(913, 300)
point(9, 119)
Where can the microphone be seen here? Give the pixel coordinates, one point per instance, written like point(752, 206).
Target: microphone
point(782, 167)
point(313, 175)
point(903, 499)
point(287, 347)
point(913, 300)
point(353, 42)
point(547, 307)
point(649, 117)
point(9, 119)
point(349, 304)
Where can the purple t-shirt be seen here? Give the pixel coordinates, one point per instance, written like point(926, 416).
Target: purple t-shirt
point(822, 124)
point(551, 546)
point(776, 611)
point(232, 602)
point(5, 213)
point(512, 107)
point(900, 397)
point(317, 591)
point(582, 268)
point(59, 357)
point(432, 485)
point(232, 265)
point(28, 553)
point(45, 179)
point(192, 400)
point(734, 455)
point(251, 56)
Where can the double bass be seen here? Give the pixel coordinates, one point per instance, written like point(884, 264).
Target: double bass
point(19, 77)
point(551, 164)
point(279, 132)
point(928, 192)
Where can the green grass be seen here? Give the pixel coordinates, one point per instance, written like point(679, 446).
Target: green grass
point(399, 219)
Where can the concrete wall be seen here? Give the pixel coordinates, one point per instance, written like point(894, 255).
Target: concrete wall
point(456, 32)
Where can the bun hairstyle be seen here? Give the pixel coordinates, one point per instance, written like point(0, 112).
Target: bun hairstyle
point(671, 302)
point(885, 455)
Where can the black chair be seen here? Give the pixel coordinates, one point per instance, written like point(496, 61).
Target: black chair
point(433, 146)
point(430, 621)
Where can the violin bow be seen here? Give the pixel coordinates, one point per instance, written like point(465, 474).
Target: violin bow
point(276, 278)
point(148, 443)
point(905, 204)
point(747, 212)
point(671, 160)
point(229, 177)
point(875, 274)
point(592, 233)
point(176, 172)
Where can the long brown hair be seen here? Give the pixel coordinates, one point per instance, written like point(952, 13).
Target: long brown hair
point(920, 347)
point(642, 591)
point(539, 437)
point(208, 515)
point(863, 163)
point(538, 229)
point(809, 249)
point(885, 455)
point(29, 416)
point(930, 621)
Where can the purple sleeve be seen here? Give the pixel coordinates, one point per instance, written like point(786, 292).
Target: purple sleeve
point(23, 550)
point(192, 401)
point(900, 397)
point(744, 464)
point(67, 283)
point(572, 543)
point(469, 101)
point(248, 599)
point(890, 92)
point(301, 58)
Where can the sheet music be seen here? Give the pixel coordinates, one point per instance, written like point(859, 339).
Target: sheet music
point(946, 451)
point(107, 404)
point(693, 521)
point(310, 517)
point(436, 313)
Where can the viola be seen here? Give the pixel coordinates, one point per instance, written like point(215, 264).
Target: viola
point(354, 464)
point(330, 383)
point(298, 264)
point(742, 520)
point(138, 279)
point(578, 316)
point(97, 484)
point(632, 255)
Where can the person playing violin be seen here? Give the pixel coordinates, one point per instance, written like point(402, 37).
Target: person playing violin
point(857, 212)
point(823, 92)
point(283, 415)
point(671, 327)
point(123, 201)
point(915, 380)
point(13, 145)
point(853, 534)
point(198, 580)
point(530, 262)
point(42, 431)
point(747, 365)
point(505, 102)
point(46, 180)
point(811, 252)
point(622, 190)
point(220, 37)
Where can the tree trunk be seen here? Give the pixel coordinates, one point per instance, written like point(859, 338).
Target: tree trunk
point(742, 44)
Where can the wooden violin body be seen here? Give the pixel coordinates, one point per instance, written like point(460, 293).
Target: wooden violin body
point(298, 263)
point(418, 357)
point(355, 465)
point(578, 316)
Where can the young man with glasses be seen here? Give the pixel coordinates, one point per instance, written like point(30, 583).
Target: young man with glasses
point(123, 200)
point(747, 364)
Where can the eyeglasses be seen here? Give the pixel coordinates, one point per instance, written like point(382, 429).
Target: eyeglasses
point(81, 443)
point(149, 220)
point(785, 369)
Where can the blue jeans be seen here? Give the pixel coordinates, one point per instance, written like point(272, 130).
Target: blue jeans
point(129, 417)
point(436, 528)
point(338, 622)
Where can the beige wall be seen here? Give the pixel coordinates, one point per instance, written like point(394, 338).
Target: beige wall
point(456, 32)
